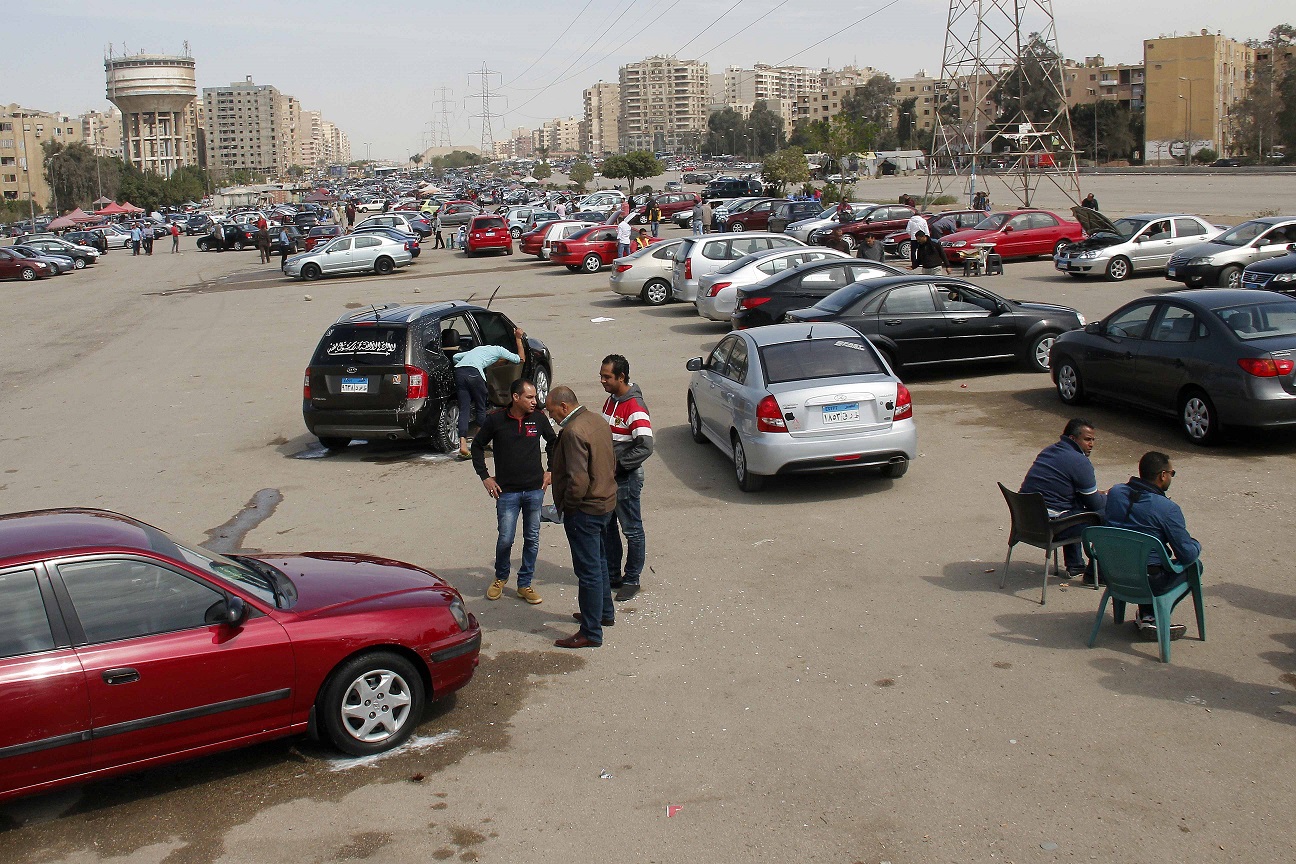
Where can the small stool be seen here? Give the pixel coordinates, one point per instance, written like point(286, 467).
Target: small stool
point(972, 266)
point(994, 264)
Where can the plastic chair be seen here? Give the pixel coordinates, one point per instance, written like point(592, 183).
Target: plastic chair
point(994, 264)
point(1124, 556)
point(1032, 525)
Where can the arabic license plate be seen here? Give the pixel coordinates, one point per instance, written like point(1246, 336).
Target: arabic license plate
point(842, 412)
point(1170, 271)
point(355, 385)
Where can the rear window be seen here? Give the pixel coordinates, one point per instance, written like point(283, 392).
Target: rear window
point(373, 346)
point(483, 224)
point(1260, 321)
point(818, 358)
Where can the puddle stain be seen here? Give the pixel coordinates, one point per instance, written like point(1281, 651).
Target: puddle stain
point(416, 743)
point(363, 845)
point(379, 457)
point(229, 537)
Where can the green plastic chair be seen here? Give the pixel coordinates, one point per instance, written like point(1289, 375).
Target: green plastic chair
point(1123, 557)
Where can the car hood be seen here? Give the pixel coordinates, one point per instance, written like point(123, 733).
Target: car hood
point(1281, 264)
point(1206, 250)
point(1093, 222)
point(970, 235)
point(1047, 308)
point(329, 582)
point(1098, 241)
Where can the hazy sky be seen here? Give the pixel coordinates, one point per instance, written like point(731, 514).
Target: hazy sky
point(374, 68)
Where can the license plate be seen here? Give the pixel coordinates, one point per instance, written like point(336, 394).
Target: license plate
point(355, 385)
point(842, 412)
point(1170, 271)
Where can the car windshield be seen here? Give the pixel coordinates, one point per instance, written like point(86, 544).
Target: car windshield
point(1260, 320)
point(990, 223)
point(1128, 227)
point(805, 360)
point(1242, 234)
point(268, 584)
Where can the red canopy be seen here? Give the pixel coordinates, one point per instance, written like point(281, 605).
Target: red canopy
point(78, 215)
point(128, 207)
point(113, 210)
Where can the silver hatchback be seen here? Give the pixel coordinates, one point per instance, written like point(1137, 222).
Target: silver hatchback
point(793, 398)
point(646, 273)
point(718, 293)
point(700, 256)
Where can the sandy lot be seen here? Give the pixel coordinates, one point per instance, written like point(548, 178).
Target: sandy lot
point(825, 671)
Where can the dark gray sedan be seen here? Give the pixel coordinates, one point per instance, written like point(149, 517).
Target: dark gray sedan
point(1210, 358)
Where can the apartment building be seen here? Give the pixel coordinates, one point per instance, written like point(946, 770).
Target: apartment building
point(602, 114)
point(921, 88)
point(22, 132)
point(247, 126)
point(560, 136)
point(102, 132)
point(1098, 81)
point(1192, 84)
point(834, 85)
point(776, 87)
point(663, 104)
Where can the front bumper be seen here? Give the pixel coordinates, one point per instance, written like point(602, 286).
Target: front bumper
point(1067, 264)
point(1194, 274)
point(772, 453)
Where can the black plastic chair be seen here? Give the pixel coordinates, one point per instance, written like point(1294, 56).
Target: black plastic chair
point(1032, 525)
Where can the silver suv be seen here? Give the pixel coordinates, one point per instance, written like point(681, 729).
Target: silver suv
point(1221, 260)
point(701, 256)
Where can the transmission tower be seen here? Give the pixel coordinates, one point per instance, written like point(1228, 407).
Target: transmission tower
point(441, 125)
point(486, 116)
point(1002, 117)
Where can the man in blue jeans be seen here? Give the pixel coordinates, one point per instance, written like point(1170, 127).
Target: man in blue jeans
point(519, 483)
point(1063, 474)
point(470, 382)
point(626, 412)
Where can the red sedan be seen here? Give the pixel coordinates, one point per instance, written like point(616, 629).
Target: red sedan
point(15, 266)
point(122, 649)
point(1016, 234)
point(590, 250)
point(488, 232)
point(320, 234)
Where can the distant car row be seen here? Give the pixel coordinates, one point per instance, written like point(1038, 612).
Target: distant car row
point(36, 257)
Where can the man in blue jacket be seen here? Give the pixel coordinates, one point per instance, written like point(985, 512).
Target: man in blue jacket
point(1142, 505)
point(1063, 474)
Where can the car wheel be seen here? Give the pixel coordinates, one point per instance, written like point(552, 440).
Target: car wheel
point(516, 232)
point(384, 265)
point(1037, 358)
point(895, 470)
point(335, 444)
point(1198, 419)
point(850, 242)
point(736, 227)
point(1119, 269)
point(311, 272)
point(1231, 277)
point(592, 264)
point(238, 246)
point(1070, 386)
point(541, 381)
point(446, 435)
point(747, 481)
point(1059, 246)
point(904, 249)
point(28, 274)
point(656, 292)
point(202, 246)
point(695, 422)
point(371, 703)
point(78, 264)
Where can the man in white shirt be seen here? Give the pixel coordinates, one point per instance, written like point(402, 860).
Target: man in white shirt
point(915, 224)
point(623, 237)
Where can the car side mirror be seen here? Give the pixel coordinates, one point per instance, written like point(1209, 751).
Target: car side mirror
point(694, 365)
point(1008, 229)
point(1142, 238)
point(1094, 328)
point(228, 612)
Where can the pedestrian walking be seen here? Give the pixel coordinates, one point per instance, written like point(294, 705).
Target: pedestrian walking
point(623, 237)
point(584, 491)
point(350, 214)
point(870, 249)
point(470, 382)
point(626, 414)
point(285, 247)
point(263, 245)
point(706, 217)
point(928, 255)
point(175, 238)
point(696, 221)
point(654, 216)
point(436, 232)
point(519, 484)
point(146, 234)
point(137, 237)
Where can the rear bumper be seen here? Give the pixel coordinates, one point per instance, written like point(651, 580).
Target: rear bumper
point(626, 287)
point(714, 308)
point(779, 453)
point(685, 291)
point(372, 425)
point(1270, 408)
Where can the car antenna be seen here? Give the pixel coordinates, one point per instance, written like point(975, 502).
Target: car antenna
point(492, 297)
point(810, 335)
point(470, 296)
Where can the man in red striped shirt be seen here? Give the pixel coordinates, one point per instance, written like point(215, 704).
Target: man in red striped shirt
point(632, 440)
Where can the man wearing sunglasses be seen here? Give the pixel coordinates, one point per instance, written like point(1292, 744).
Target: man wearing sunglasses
point(1142, 505)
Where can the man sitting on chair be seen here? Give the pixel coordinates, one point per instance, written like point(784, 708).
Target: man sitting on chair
point(1063, 474)
point(1142, 505)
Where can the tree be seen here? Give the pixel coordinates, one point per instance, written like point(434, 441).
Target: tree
point(1258, 118)
point(581, 173)
point(810, 135)
point(1027, 93)
point(542, 171)
point(724, 128)
point(1116, 138)
point(74, 173)
point(871, 102)
point(907, 126)
point(764, 131)
point(787, 167)
point(632, 166)
point(417, 159)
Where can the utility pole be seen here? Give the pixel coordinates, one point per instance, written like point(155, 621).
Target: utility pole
point(486, 116)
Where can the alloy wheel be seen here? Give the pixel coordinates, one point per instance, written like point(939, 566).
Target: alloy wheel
point(376, 706)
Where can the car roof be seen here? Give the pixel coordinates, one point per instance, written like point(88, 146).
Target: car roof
point(777, 334)
point(1161, 216)
point(1219, 298)
point(404, 313)
point(39, 532)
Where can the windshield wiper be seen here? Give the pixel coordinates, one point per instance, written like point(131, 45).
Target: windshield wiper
point(271, 574)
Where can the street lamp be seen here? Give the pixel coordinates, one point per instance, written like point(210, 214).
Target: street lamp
point(1094, 93)
point(1188, 134)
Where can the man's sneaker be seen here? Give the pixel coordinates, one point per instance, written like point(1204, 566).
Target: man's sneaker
point(529, 595)
point(1147, 628)
point(495, 590)
point(626, 591)
point(1177, 631)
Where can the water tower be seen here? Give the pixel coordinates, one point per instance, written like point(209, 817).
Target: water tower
point(157, 95)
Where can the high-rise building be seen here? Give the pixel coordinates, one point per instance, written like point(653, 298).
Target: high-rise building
point(778, 88)
point(663, 104)
point(22, 169)
point(602, 113)
point(102, 132)
point(559, 136)
point(1193, 82)
point(158, 98)
point(922, 89)
point(246, 125)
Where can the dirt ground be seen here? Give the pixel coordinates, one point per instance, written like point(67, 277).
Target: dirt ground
point(825, 671)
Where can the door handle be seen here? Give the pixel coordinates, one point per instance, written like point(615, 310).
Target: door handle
point(895, 322)
point(959, 320)
point(124, 675)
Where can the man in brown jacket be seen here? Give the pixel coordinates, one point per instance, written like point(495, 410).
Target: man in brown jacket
point(585, 491)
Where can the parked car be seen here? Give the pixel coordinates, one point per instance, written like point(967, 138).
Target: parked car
point(560, 230)
point(1134, 244)
point(488, 232)
point(81, 255)
point(927, 320)
point(674, 186)
point(61, 263)
point(296, 240)
point(753, 217)
point(370, 205)
point(228, 236)
point(114, 236)
point(409, 222)
point(359, 253)
point(646, 273)
point(899, 243)
point(15, 266)
point(386, 373)
point(410, 241)
point(126, 649)
point(88, 238)
point(794, 398)
point(1015, 234)
point(827, 218)
point(538, 218)
point(590, 250)
point(519, 217)
point(731, 187)
point(1226, 162)
point(1211, 358)
point(320, 234)
point(699, 256)
point(878, 221)
point(458, 213)
point(784, 213)
point(670, 204)
point(718, 291)
point(767, 301)
point(1220, 261)
point(1273, 274)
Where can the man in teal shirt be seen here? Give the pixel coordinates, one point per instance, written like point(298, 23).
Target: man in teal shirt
point(470, 382)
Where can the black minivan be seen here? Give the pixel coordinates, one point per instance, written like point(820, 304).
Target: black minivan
point(728, 187)
point(386, 372)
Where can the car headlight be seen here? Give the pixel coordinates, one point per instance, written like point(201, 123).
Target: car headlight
point(459, 613)
point(1092, 253)
point(1080, 315)
point(1195, 261)
point(1285, 277)
point(957, 244)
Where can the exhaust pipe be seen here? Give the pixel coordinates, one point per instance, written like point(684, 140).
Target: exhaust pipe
point(391, 436)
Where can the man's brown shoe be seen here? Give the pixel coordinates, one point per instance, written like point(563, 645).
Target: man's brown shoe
point(529, 595)
point(577, 641)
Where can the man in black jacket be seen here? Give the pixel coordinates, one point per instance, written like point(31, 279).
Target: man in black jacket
point(519, 483)
point(926, 254)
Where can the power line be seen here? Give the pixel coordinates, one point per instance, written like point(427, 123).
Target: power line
point(486, 115)
point(680, 50)
point(743, 30)
point(551, 45)
point(877, 11)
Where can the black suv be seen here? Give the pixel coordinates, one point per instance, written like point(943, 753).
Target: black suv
point(231, 237)
point(729, 187)
point(787, 212)
point(387, 372)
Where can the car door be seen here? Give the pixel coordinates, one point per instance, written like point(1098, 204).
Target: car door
point(736, 410)
point(711, 408)
point(1153, 246)
point(494, 329)
point(1189, 232)
point(1109, 359)
point(45, 735)
point(1014, 243)
point(161, 679)
point(812, 287)
point(907, 317)
point(1167, 358)
point(336, 257)
point(365, 250)
point(976, 325)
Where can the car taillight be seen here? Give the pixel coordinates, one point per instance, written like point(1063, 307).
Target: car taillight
point(306, 384)
point(745, 302)
point(688, 268)
point(715, 289)
point(1266, 367)
point(621, 268)
point(408, 248)
point(903, 403)
point(769, 417)
point(416, 386)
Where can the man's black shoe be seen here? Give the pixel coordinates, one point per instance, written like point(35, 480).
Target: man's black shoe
point(627, 591)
